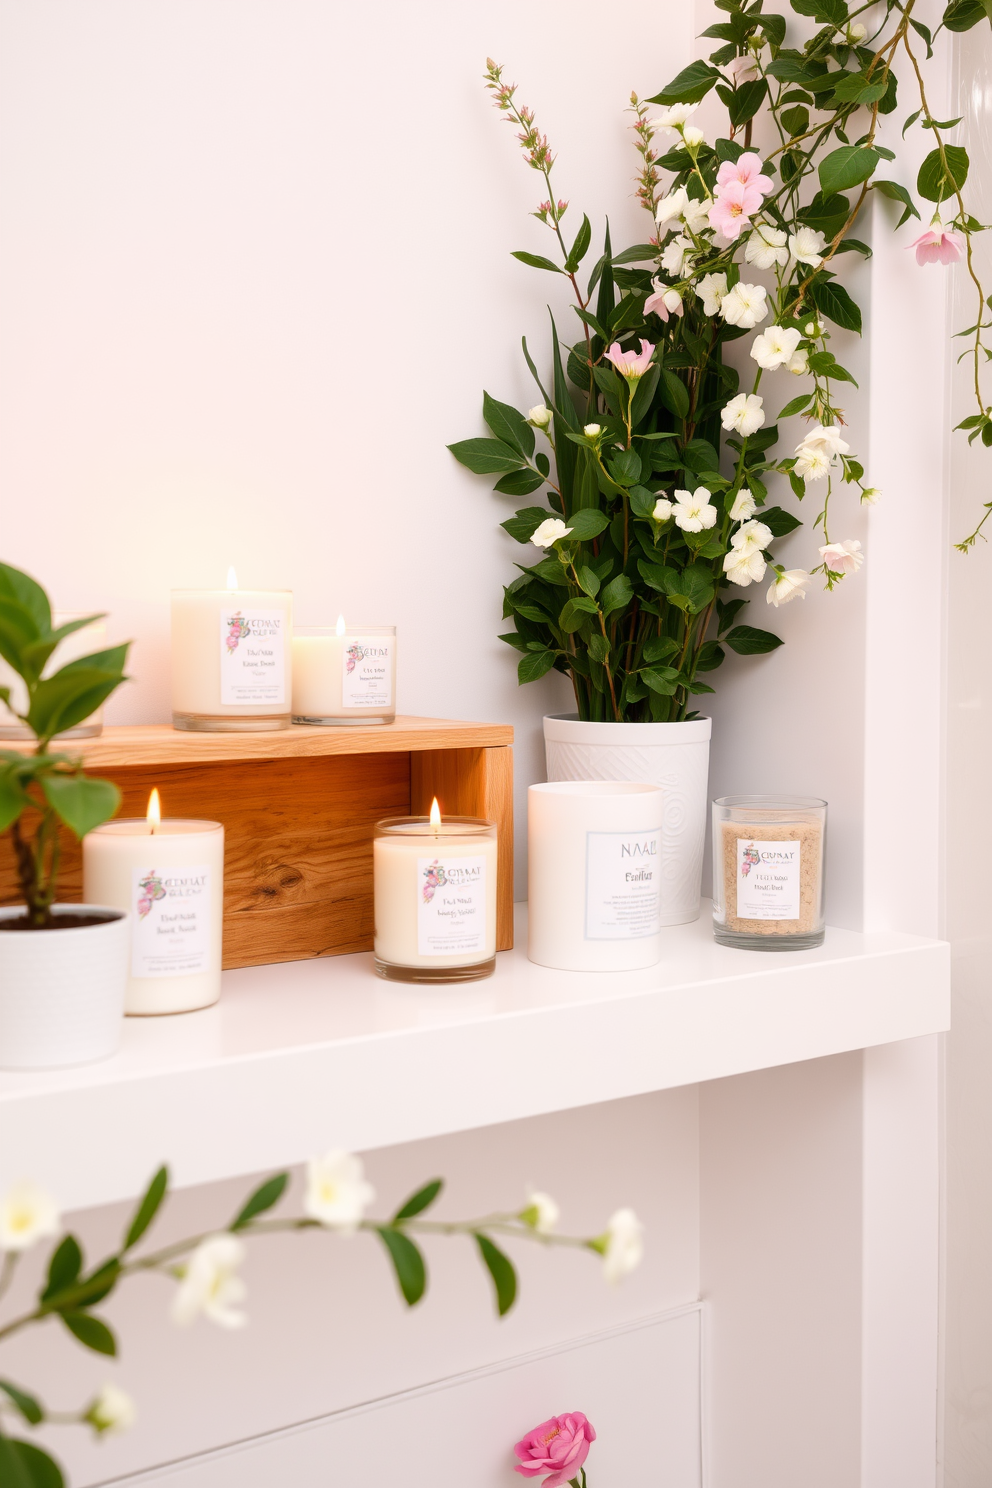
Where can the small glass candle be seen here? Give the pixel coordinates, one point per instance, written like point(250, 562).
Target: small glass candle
point(231, 658)
point(345, 674)
point(82, 642)
point(169, 876)
point(435, 898)
point(768, 871)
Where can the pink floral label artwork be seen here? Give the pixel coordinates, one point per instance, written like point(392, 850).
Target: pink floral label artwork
point(237, 629)
point(354, 655)
point(749, 858)
point(151, 890)
point(434, 879)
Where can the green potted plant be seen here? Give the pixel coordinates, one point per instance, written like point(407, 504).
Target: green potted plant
point(62, 966)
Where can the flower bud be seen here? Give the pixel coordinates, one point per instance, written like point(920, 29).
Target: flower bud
point(856, 33)
point(592, 431)
point(539, 416)
point(672, 301)
point(692, 136)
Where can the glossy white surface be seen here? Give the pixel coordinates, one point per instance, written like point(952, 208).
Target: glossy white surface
point(323, 1046)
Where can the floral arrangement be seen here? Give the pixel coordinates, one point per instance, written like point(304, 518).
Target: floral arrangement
point(558, 1447)
point(52, 784)
point(205, 1271)
point(660, 454)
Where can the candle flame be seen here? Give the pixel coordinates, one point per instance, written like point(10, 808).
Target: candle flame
point(435, 813)
point(339, 629)
point(153, 815)
point(232, 578)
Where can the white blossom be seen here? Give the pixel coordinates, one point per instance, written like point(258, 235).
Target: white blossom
point(541, 1213)
point(806, 246)
point(693, 136)
point(662, 509)
point(672, 301)
point(696, 215)
point(745, 414)
point(745, 305)
point(112, 1411)
point(818, 451)
point(210, 1284)
point(711, 290)
point(789, 583)
point(856, 33)
point(843, 557)
point(774, 347)
point(744, 566)
point(798, 363)
point(813, 328)
point(741, 69)
point(677, 257)
point(540, 416)
point(744, 506)
point(337, 1194)
point(870, 495)
point(592, 431)
point(766, 246)
point(623, 1245)
point(674, 117)
point(693, 511)
point(751, 535)
point(27, 1214)
point(669, 210)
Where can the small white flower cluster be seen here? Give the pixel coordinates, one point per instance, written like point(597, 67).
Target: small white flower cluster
point(745, 564)
point(818, 452)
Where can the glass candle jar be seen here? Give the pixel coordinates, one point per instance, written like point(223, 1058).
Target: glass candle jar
point(435, 898)
point(768, 871)
point(231, 659)
point(344, 674)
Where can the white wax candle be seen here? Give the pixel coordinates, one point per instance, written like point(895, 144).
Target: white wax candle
point(594, 868)
point(344, 675)
point(435, 895)
point(231, 658)
point(171, 882)
point(92, 637)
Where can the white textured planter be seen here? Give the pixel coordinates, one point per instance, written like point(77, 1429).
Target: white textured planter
point(62, 991)
point(674, 756)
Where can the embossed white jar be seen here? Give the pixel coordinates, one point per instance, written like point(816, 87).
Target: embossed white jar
point(674, 756)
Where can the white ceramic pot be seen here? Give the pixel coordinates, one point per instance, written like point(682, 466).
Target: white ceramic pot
point(674, 756)
point(62, 991)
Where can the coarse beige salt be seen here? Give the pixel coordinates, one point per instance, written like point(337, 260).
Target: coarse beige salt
point(810, 835)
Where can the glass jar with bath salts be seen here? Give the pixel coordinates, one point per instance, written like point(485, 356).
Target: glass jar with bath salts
point(768, 872)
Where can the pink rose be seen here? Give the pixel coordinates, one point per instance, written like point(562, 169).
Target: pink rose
point(559, 1447)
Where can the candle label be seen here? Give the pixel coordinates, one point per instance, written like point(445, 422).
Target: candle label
point(451, 909)
point(768, 880)
point(367, 672)
point(170, 921)
point(252, 660)
point(623, 893)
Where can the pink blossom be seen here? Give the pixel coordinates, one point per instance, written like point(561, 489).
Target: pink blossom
point(741, 70)
point(733, 208)
point(632, 365)
point(559, 1447)
point(664, 302)
point(937, 245)
point(747, 170)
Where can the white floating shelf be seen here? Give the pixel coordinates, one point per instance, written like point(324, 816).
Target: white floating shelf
point(303, 1056)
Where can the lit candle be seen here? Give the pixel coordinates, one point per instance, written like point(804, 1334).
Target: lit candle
point(345, 675)
point(169, 876)
point(231, 658)
point(435, 898)
point(82, 642)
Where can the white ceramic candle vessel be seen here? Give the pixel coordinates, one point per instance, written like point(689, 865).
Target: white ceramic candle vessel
point(435, 898)
point(169, 876)
point(594, 849)
point(231, 658)
point(345, 674)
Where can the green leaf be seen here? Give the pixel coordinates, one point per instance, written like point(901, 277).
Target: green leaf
point(28, 593)
point(500, 1268)
point(408, 1263)
point(266, 1196)
point(81, 802)
point(535, 261)
point(69, 696)
point(663, 680)
point(846, 167)
point(23, 1465)
point(599, 648)
point(91, 1332)
point(746, 101)
point(534, 665)
point(419, 1201)
point(778, 520)
point(617, 594)
point(796, 120)
point(674, 393)
point(895, 192)
point(575, 612)
point(961, 15)
point(692, 84)
point(639, 253)
point(854, 245)
point(833, 301)
point(28, 1406)
point(827, 12)
point(934, 181)
point(508, 425)
point(526, 522)
point(99, 1284)
point(796, 405)
point(656, 648)
point(519, 483)
point(580, 247)
point(148, 1207)
point(625, 467)
point(587, 523)
point(857, 87)
point(747, 641)
point(63, 1268)
point(486, 456)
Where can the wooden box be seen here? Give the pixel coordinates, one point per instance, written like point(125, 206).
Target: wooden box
point(298, 807)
